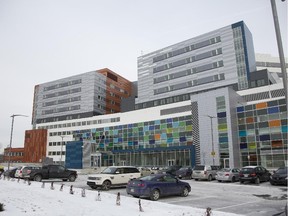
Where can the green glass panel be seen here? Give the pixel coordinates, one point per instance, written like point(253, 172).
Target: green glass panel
point(163, 126)
point(222, 127)
point(175, 135)
point(189, 128)
point(182, 123)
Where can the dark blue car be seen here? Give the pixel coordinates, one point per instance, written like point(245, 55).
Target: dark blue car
point(156, 186)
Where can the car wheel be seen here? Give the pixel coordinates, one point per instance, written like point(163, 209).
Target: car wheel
point(154, 195)
point(72, 178)
point(233, 179)
point(241, 182)
point(38, 178)
point(272, 183)
point(257, 180)
point(185, 192)
point(209, 178)
point(106, 185)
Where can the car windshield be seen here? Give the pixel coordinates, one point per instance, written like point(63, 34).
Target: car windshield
point(148, 178)
point(282, 170)
point(247, 170)
point(109, 170)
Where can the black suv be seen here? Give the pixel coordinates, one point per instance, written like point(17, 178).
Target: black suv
point(254, 174)
point(279, 177)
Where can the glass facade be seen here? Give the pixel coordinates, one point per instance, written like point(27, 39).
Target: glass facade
point(262, 132)
point(160, 142)
point(222, 131)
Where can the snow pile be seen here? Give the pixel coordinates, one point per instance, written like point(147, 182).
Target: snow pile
point(21, 198)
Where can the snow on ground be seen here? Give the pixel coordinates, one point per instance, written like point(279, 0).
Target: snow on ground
point(20, 198)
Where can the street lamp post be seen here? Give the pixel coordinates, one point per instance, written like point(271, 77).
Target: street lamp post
point(11, 136)
point(280, 48)
point(62, 137)
point(211, 130)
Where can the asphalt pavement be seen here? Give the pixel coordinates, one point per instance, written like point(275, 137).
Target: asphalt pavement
point(245, 199)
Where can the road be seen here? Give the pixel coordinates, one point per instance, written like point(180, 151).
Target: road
point(246, 199)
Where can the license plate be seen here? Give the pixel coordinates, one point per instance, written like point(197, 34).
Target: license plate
point(246, 175)
point(132, 190)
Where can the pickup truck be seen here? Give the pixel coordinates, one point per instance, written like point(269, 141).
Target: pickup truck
point(52, 172)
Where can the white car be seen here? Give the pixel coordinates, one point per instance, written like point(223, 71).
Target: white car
point(113, 176)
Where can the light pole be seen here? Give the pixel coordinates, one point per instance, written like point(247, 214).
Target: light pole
point(280, 48)
point(62, 137)
point(211, 129)
point(11, 135)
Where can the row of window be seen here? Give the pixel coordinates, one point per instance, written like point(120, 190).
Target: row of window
point(196, 82)
point(81, 123)
point(54, 153)
point(188, 60)
point(61, 109)
point(188, 72)
point(62, 101)
point(62, 93)
point(64, 84)
point(187, 49)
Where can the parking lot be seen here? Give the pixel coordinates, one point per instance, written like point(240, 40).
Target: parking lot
point(246, 199)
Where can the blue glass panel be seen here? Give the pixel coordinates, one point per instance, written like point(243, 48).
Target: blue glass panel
point(120, 139)
point(151, 127)
point(273, 110)
point(170, 140)
point(240, 109)
point(264, 137)
point(243, 145)
point(146, 128)
point(141, 133)
point(135, 143)
point(130, 143)
point(106, 128)
point(221, 115)
point(120, 127)
point(223, 139)
point(157, 122)
point(169, 120)
point(115, 140)
point(93, 130)
point(130, 125)
point(101, 145)
point(151, 141)
point(284, 129)
point(163, 136)
point(182, 139)
point(175, 124)
point(242, 133)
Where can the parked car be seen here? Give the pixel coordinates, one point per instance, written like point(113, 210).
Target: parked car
point(24, 171)
point(145, 171)
point(156, 186)
point(254, 174)
point(171, 170)
point(113, 176)
point(184, 172)
point(207, 172)
point(279, 177)
point(228, 174)
point(10, 173)
point(52, 171)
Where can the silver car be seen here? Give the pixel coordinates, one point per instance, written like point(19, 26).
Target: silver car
point(228, 174)
point(207, 172)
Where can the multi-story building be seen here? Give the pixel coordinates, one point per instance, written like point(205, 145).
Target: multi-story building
point(271, 63)
point(80, 96)
point(223, 57)
point(13, 155)
point(194, 106)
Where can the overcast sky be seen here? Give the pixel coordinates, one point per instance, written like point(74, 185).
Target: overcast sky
point(46, 40)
